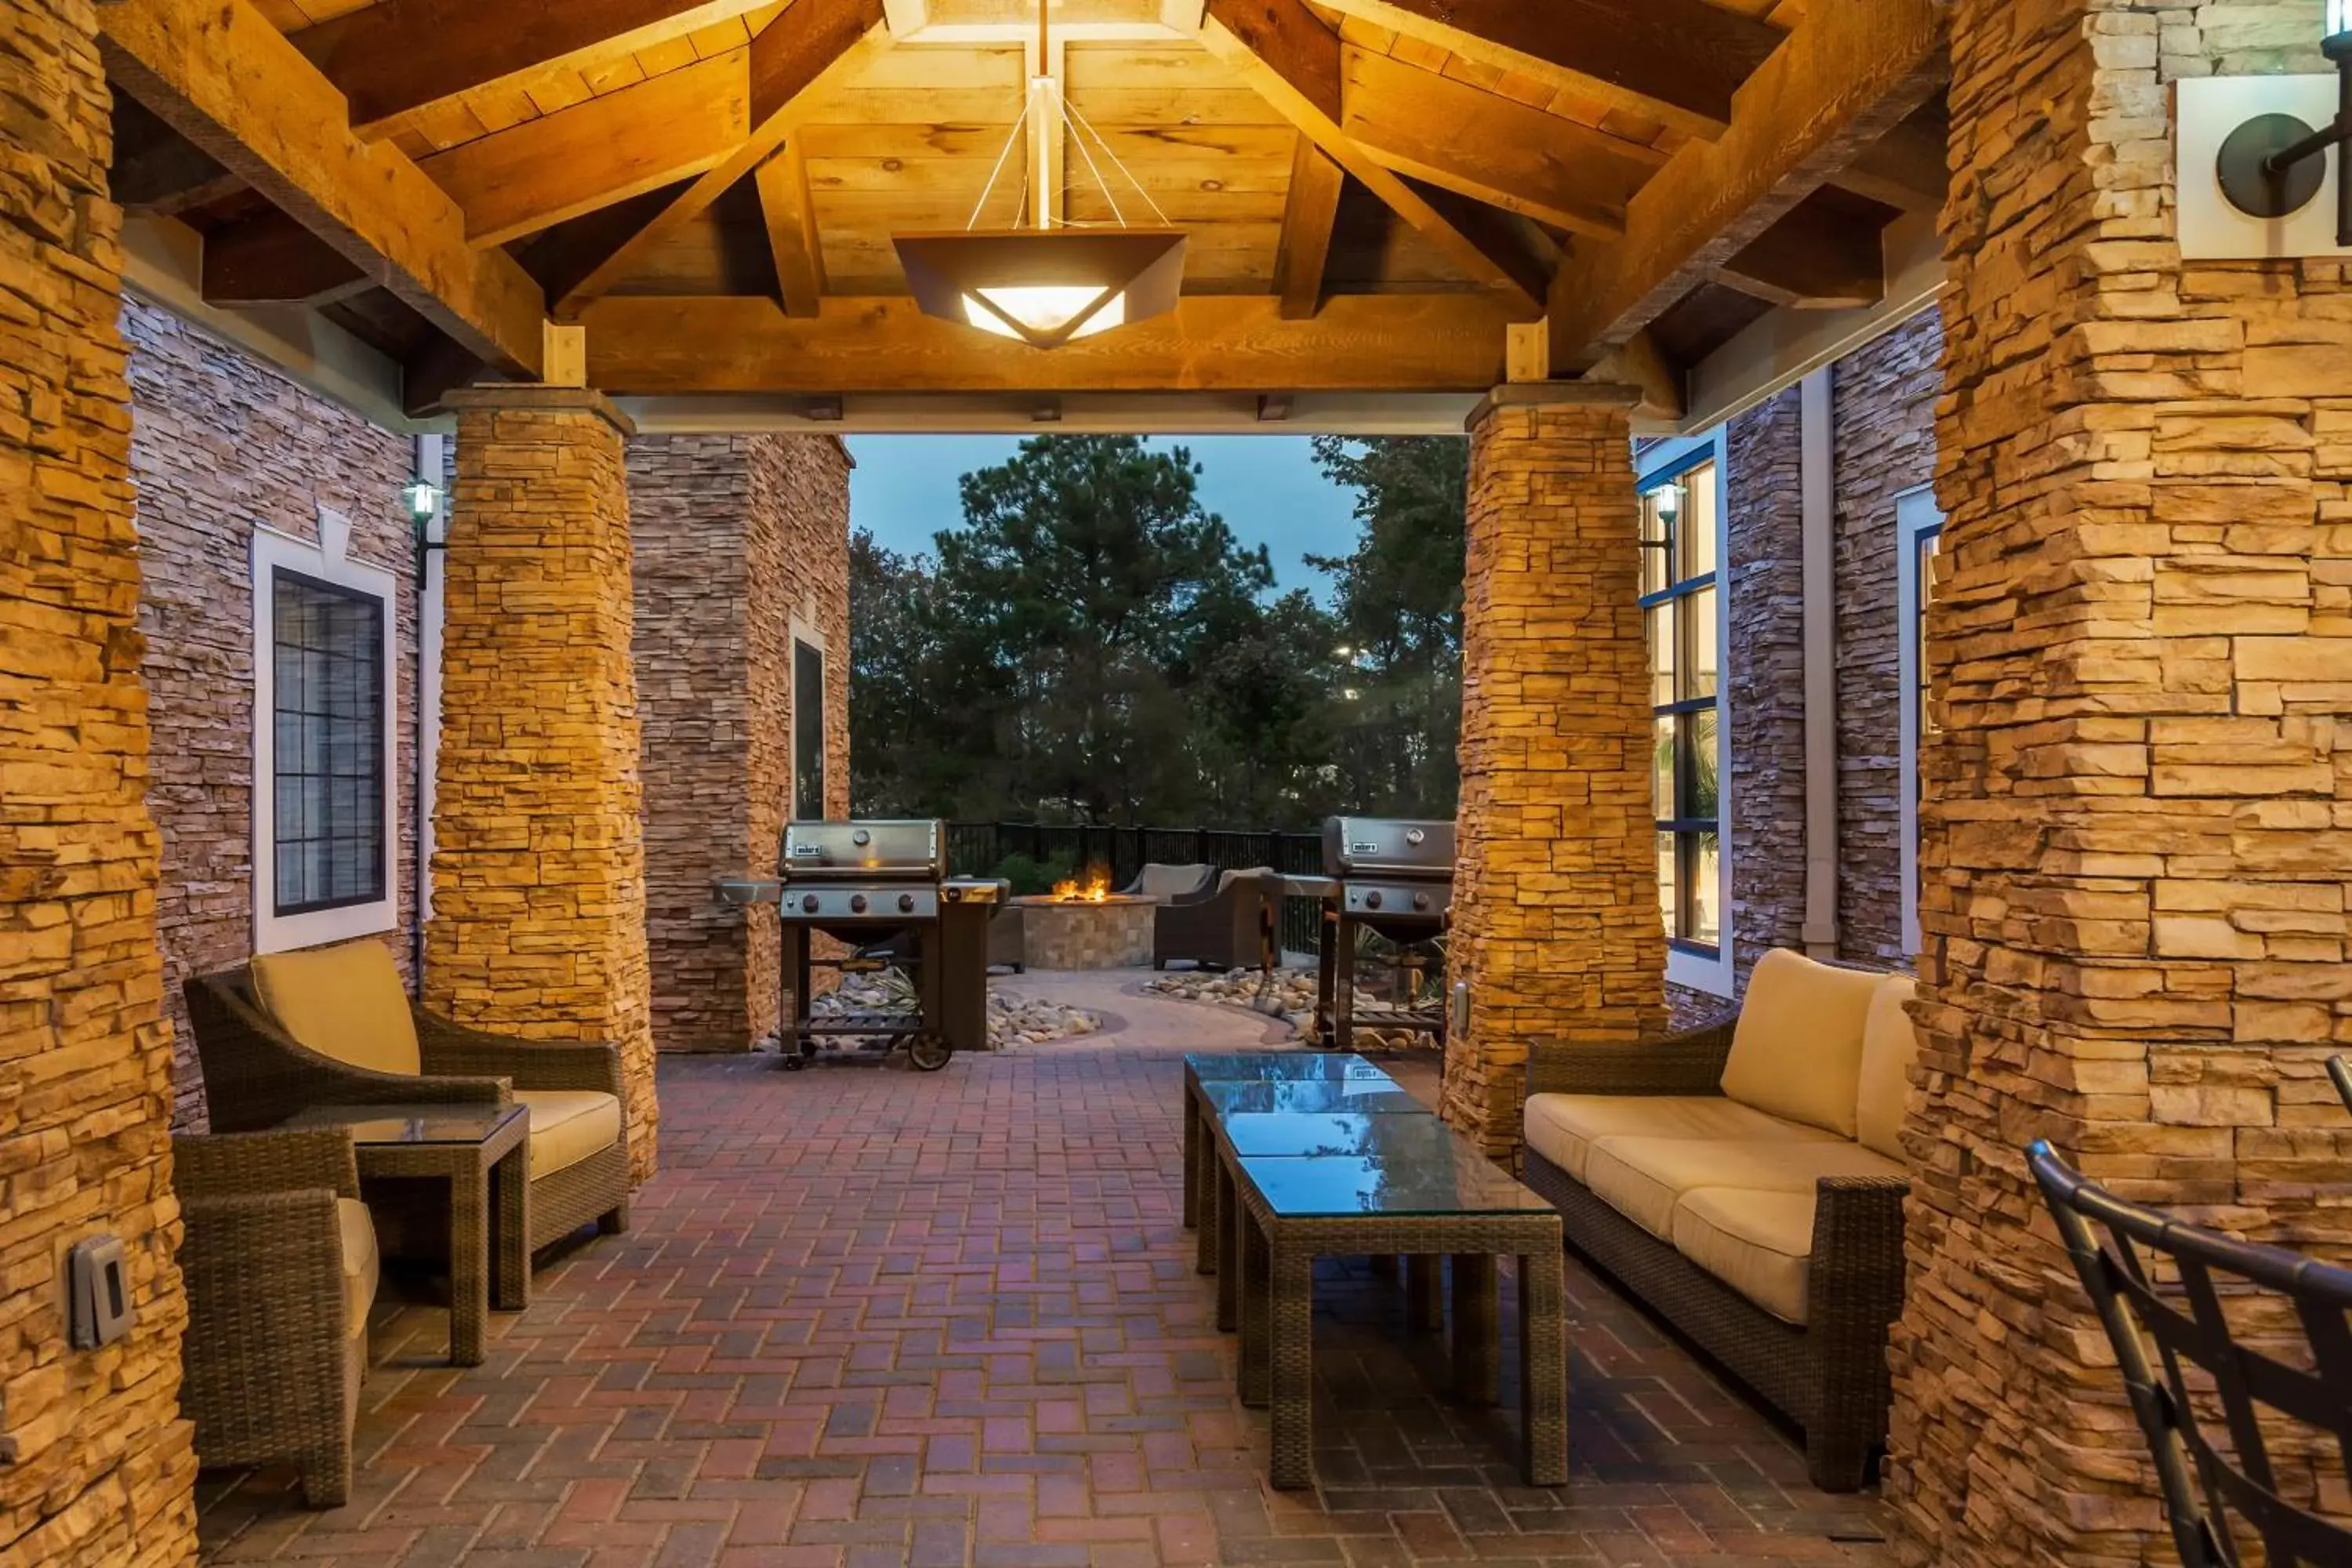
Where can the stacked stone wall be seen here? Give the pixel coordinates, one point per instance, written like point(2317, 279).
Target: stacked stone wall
point(96, 1465)
point(1556, 921)
point(219, 444)
point(2135, 857)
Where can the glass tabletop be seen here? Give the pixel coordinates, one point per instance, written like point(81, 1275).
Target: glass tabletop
point(458, 1123)
point(1304, 1134)
point(1367, 1096)
point(1455, 1179)
point(1271, 1067)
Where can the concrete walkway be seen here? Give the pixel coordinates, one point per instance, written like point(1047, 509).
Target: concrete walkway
point(867, 1317)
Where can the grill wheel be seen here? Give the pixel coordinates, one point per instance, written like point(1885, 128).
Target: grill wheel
point(929, 1052)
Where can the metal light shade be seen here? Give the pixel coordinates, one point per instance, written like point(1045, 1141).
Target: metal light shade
point(1044, 286)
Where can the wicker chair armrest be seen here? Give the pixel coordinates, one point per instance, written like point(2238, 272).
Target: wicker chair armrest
point(260, 1248)
point(1856, 1278)
point(220, 1165)
point(449, 1048)
point(1690, 1062)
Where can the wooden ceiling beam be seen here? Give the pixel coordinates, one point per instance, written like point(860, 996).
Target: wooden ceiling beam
point(606, 150)
point(1491, 148)
point(218, 73)
point(1848, 74)
point(400, 55)
point(811, 42)
point(1675, 61)
point(156, 170)
point(657, 346)
point(1293, 62)
point(1822, 256)
point(270, 259)
point(1308, 213)
point(1906, 169)
point(790, 216)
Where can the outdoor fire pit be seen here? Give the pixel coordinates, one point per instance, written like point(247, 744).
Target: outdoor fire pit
point(1086, 927)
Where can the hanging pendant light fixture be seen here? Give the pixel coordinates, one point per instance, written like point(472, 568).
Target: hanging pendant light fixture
point(1051, 282)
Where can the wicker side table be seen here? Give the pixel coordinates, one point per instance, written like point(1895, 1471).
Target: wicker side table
point(1415, 1189)
point(482, 1152)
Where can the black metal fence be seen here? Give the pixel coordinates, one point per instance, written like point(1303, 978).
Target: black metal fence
point(977, 848)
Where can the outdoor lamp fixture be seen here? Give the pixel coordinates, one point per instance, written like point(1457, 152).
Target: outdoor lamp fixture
point(2274, 164)
point(423, 497)
point(1051, 282)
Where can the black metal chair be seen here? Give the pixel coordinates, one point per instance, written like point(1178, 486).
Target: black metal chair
point(2233, 1490)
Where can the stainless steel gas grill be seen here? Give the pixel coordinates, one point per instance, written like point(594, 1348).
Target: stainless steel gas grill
point(882, 889)
point(1396, 879)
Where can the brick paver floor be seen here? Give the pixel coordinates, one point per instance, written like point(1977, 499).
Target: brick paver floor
point(873, 1317)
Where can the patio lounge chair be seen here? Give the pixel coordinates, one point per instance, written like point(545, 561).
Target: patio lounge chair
point(1161, 882)
point(2160, 1286)
point(1226, 927)
point(1744, 1181)
point(335, 1027)
point(279, 1261)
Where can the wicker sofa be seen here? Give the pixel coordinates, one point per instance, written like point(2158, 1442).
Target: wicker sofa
point(1224, 926)
point(335, 1026)
point(280, 1261)
point(1744, 1181)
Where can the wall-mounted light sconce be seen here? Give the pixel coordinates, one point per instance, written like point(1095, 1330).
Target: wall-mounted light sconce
point(424, 499)
point(2265, 142)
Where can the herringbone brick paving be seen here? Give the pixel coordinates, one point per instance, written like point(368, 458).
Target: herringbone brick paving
point(870, 1317)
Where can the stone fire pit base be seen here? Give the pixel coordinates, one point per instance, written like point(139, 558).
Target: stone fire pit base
point(1113, 934)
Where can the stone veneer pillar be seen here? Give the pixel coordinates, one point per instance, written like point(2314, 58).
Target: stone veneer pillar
point(2135, 856)
point(96, 1465)
point(538, 927)
point(1556, 918)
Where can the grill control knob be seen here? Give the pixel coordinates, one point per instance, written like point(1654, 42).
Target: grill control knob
point(856, 903)
point(905, 903)
point(808, 903)
point(1421, 901)
point(1372, 899)
point(861, 838)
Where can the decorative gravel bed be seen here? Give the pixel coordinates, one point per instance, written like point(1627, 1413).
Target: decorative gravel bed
point(1238, 988)
point(1012, 1019)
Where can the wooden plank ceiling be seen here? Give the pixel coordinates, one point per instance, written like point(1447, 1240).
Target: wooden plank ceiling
point(730, 175)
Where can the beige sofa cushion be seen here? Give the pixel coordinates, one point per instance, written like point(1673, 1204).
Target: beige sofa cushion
point(1644, 1178)
point(355, 1230)
point(1760, 1244)
point(567, 1125)
point(1797, 1049)
point(1889, 1044)
point(342, 1001)
point(1163, 882)
point(1563, 1128)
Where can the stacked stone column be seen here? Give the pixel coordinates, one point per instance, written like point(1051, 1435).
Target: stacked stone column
point(2134, 850)
point(96, 1465)
point(1555, 923)
point(538, 927)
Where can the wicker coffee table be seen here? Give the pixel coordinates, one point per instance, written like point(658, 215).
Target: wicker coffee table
point(1250, 1066)
point(482, 1152)
point(1357, 1186)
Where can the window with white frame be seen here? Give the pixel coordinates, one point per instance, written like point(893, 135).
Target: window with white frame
point(1683, 606)
point(324, 811)
point(1918, 533)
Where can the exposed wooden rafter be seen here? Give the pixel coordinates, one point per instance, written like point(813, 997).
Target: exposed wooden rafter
point(651, 345)
point(606, 150)
point(1848, 74)
point(1906, 168)
point(1308, 213)
point(1675, 61)
point(156, 170)
point(1293, 62)
point(810, 42)
point(402, 55)
point(229, 82)
point(270, 259)
point(791, 218)
point(1826, 254)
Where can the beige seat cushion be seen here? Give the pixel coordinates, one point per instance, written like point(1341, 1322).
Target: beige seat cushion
point(1563, 1128)
point(1760, 1244)
point(567, 1125)
point(1889, 1044)
point(1644, 1178)
point(1797, 1049)
point(342, 1001)
point(1160, 881)
point(356, 1230)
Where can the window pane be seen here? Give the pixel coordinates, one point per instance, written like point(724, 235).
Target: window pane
point(1669, 899)
point(808, 732)
point(1704, 664)
point(1700, 740)
point(328, 755)
point(1698, 522)
point(1662, 768)
point(1707, 890)
point(1662, 656)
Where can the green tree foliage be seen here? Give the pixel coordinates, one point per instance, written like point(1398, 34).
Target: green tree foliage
point(1093, 646)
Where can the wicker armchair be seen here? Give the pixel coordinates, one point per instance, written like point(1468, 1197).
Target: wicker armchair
point(1828, 1374)
point(1161, 882)
point(256, 1075)
point(280, 1262)
point(1229, 925)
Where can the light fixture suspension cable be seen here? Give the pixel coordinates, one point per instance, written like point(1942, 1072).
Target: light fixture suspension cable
point(1087, 128)
point(998, 167)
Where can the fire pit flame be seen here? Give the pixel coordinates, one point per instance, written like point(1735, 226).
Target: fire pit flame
point(1094, 892)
